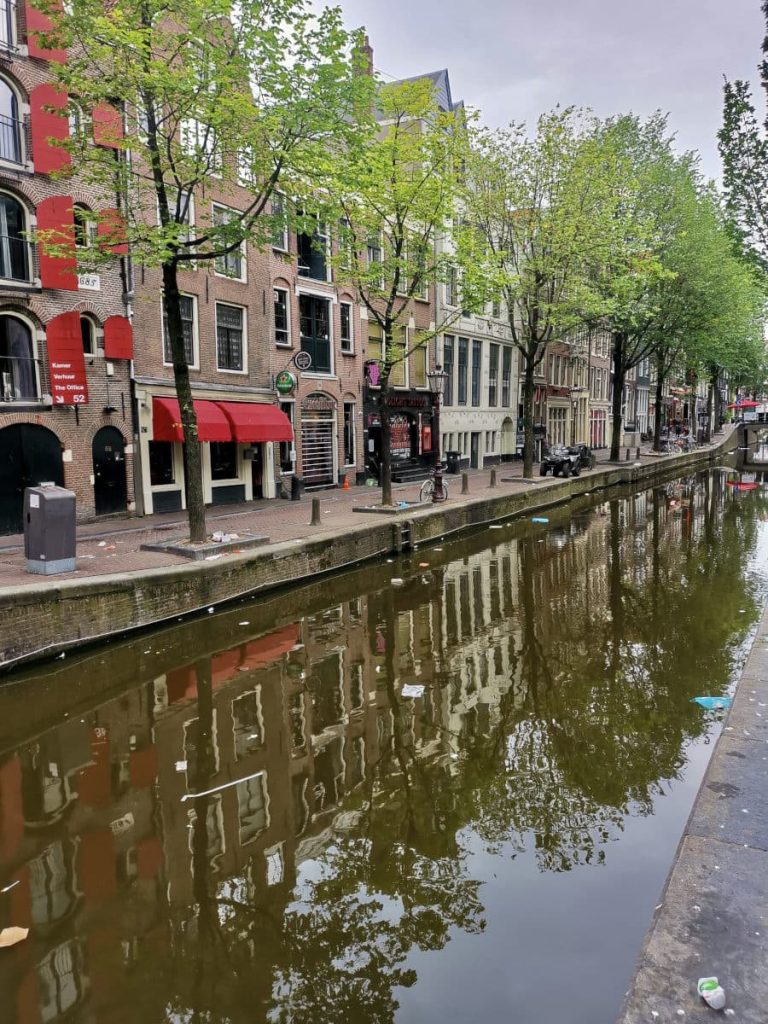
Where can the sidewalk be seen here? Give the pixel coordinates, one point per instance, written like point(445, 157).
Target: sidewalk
point(114, 545)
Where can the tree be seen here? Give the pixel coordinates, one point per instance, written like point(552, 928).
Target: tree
point(253, 94)
point(394, 196)
point(540, 205)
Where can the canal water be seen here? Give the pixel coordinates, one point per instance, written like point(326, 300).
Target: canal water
point(443, 788)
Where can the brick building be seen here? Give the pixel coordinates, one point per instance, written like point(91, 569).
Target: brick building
point(65, 342)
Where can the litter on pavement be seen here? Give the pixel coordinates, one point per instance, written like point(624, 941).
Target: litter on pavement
point(711, 992)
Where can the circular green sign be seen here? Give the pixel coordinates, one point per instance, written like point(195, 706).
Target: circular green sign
point(285, 382)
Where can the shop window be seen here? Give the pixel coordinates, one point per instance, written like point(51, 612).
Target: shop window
point(15, 262)
point(345, 318)
point(229, 337)
point(224, 460)
point(349, 433)
point(10, 124)
point(315, 335)
point(282, 317)
point(18, 367)
point(286, 447)
point(161, 470)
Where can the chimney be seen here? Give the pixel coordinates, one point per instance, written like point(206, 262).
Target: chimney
point(366, 51)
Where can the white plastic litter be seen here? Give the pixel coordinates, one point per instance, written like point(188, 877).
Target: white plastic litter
point(411, 690)
point(711, 992)
point(396, 581)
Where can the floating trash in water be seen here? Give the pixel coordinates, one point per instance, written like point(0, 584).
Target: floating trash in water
point(494, 526)
point(539, 519)
point(713, 703)
point(11, 886)
point(10, 936)
point(711, 992)
point(412, 690)
point(396, 581)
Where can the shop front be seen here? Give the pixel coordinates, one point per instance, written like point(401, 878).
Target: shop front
point(238, 449)
point(319, 459)
point(410, 419)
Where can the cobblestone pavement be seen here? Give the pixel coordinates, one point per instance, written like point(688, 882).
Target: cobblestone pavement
point(114, 545)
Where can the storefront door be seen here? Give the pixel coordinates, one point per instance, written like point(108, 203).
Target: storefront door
point(318, 441)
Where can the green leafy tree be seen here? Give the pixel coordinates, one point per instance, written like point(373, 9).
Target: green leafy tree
point(395, 196)
point(541, 205)
point(254, 94)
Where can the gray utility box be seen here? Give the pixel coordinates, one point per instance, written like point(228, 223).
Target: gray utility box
point(49, 529)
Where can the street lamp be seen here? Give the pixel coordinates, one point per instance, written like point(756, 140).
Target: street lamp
point(437, 379)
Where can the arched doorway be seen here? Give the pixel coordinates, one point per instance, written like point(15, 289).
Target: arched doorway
point(110, 486)
point(29, 455)
point(507, 439)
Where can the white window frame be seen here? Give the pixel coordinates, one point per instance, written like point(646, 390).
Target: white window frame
point(243, 279)
point(347, 351)
point(244, 309)
point(286, 292)
point(405, 362)
point(22, 108)
point(191, 129)
point(425, 385)
point(195, 330)
point(286, 241)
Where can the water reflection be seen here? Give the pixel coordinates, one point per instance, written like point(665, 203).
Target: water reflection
point(269, 832)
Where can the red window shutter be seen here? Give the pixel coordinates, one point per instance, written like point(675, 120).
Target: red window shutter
point(111, 232)
point(107, 125)
point(38, 22)
point(56, 215)
point(45, 125)
point(66, 360)
point(118, 338)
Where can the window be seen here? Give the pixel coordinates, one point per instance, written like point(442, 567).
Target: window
point(85, 226)
point(282, 317)
point(279, 223)
point(231, 264)
point(188, 326)
point(451, 288)
point(252, 808)
point(185, 214)
point(224, 460)
point(496, 309)
point(477, 356)
point(398, 375)
point(229, 337)
point(313, 252)
point(18, 368)
point(346, 243)
point(373, 251)
point(10, 125)
point(286, 447)
point(375, 341)
point(88, 334)
point(493, 375)
point(245, 161)
point(315, 332)
point(198, 141)
point(15, 262)
point(161, 471)
point(463, 350)
point(448, 368)
point(419, 366)
point(7, 26)
point(349, 433)
point(345, 318)
point(507, 377)
point(246, 724)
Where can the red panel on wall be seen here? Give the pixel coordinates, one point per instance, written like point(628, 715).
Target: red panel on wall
point(118, 338)
point(111, 232)
point(39, 22)
point(45, 125)
point(56, 216)
point(66, 361)
point(107, 125)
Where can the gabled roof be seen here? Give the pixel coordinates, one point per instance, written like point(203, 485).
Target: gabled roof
point(442, 85)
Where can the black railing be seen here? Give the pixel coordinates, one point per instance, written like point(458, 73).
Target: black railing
point(15, 258)
point(10, 139)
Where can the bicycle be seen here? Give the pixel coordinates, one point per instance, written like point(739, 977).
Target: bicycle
point(427, 490)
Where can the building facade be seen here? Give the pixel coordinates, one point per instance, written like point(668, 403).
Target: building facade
point(65, 339)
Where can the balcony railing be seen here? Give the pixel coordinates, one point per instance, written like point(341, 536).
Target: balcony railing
point(10, 139)
point(16, 261)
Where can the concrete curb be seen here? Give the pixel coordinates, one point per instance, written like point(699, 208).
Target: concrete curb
point(39, 620)
point(713, 916)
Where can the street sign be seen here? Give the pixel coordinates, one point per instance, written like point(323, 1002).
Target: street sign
point(302, 360)
point(285, 382)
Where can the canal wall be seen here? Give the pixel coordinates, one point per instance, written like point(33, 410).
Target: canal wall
point(43, 619)
point(712, 918)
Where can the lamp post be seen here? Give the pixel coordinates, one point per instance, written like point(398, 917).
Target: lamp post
point(437, 379)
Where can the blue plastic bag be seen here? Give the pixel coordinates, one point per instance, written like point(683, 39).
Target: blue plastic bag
point(713, 703)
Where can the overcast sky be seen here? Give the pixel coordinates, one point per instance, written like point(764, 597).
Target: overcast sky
point(513, 59)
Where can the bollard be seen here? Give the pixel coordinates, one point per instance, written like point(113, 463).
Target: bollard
point(493, 478)
point(315, 512)
point(465, 483)
point(627, 455)
point(638, 455)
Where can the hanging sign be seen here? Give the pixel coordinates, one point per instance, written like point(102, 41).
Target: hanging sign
point(285, 382)
point(66, 362)
point(302, 360)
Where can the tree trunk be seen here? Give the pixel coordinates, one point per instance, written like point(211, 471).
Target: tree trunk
point(528, 390)
point(193, 467)
point(619, 341)
point(660, 375)
point(386, 443)
point(711, 402)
